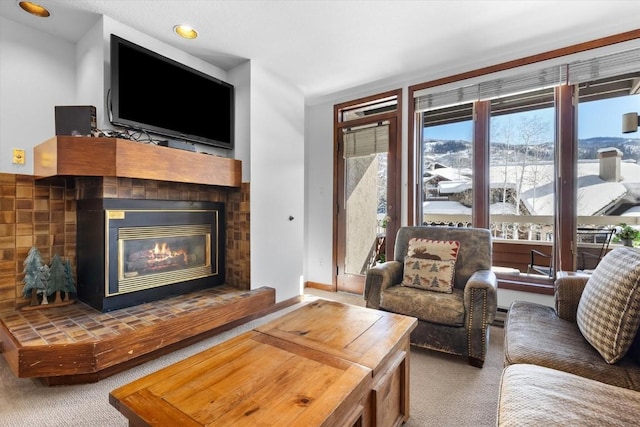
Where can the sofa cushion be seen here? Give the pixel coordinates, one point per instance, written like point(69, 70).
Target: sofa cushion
point(434, 307)
point(433, 249)
point(535, 334)
point(428, 274)
point(537, 396)
point(609, 309)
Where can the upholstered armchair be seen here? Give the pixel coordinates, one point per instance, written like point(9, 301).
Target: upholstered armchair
point(452, 317)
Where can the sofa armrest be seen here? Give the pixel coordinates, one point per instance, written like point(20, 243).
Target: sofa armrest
point(379, 278)
point(567, 292)
point(481, 298)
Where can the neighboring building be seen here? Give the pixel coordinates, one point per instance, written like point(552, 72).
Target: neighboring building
point(606, 186)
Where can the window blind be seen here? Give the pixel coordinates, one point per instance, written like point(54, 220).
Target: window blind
point(604, 66)
point(449, 98)
point(522, 83)
point(366, 141)
point(545, 77)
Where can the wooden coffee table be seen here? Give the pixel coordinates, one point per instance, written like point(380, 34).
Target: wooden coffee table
point(324, 364)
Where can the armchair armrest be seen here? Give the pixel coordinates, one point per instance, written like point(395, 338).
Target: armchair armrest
point(567, 292)
point(379, 278)
point(481, 298)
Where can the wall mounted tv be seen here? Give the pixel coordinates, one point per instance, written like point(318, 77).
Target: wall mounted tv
point(155, 94)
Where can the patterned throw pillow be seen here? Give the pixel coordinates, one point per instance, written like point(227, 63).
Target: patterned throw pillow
point(433, 249)
point(609, 309)
point(429, 274)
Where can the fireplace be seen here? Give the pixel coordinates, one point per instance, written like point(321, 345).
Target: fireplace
point(135, 251)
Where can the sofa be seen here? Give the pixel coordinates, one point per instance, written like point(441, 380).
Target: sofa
point(577, 363)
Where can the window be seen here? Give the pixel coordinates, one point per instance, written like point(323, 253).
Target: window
point(608, 167)
point(534, 134)
point(447, 167)
point(521, 168)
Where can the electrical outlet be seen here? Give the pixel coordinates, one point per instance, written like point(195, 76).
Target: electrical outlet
point(18, 156)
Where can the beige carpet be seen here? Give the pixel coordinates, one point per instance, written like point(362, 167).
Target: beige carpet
point(445, 390)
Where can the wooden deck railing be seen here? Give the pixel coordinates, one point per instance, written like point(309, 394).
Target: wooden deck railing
point(513, 250)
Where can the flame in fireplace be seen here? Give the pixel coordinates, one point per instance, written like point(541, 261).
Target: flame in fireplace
point(155, 256)
point(159, 258)
point(163, 251)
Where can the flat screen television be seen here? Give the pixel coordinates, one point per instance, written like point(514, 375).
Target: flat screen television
point(155, 94)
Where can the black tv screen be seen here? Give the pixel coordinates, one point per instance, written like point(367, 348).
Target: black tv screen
point(155, 94)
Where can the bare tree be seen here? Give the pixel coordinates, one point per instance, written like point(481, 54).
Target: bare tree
point(531, 130)
point(522, 148)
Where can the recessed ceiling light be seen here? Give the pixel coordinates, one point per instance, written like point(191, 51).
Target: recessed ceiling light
point(185, 31)
point(34, 9)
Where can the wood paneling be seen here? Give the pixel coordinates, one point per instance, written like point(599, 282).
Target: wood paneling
point(517, 255)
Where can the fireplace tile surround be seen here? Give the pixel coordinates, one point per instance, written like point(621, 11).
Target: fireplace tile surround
point(42, 213)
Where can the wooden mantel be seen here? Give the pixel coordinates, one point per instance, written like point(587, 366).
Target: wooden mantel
point(114, 157)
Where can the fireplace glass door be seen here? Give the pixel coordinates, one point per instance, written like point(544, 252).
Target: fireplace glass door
point(149, 256)
point(149, 249)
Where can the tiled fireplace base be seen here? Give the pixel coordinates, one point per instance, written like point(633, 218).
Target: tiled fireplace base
point(78, 344)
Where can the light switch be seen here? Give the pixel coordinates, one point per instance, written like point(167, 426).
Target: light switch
point(18, 156)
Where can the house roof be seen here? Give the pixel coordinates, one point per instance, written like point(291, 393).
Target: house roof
point(632, 211)
point(595, 194)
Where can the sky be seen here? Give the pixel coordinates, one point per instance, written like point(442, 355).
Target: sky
point(595, 118)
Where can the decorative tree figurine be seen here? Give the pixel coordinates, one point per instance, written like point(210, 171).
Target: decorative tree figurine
point(46, 280)
point(32, 275)
point(42, 283)
point(69, 283)
point(57, 278)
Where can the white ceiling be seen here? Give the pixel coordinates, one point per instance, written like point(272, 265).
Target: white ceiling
point(324, 47)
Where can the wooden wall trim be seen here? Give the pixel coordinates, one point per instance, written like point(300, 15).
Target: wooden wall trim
point(113, 157)
point(481, 162)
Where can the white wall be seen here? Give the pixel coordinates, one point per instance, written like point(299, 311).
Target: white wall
point(277, 183)
point(318, 200)
point(91, 73)
point(37, 72)
point(240, 77)
point(270, 144)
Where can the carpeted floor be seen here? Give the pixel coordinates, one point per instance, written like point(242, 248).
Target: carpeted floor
point(445, 390)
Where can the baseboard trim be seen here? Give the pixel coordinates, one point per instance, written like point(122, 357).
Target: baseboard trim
point(320, 286)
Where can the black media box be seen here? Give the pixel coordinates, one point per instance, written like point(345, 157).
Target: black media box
point(75, 120)
point(177, 144)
